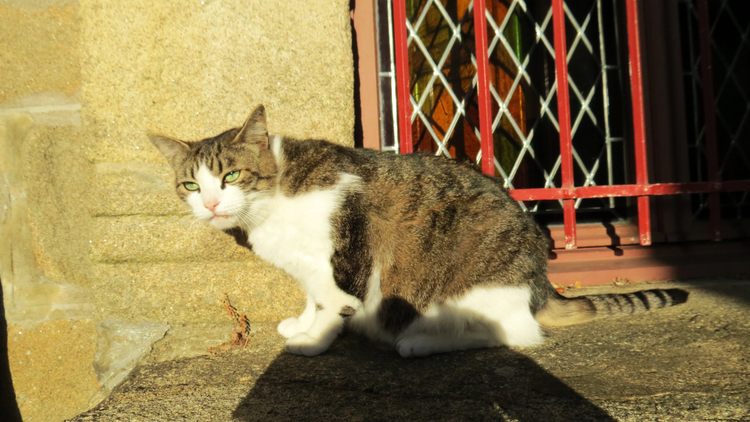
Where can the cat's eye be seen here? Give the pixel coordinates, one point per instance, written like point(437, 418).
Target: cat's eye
point(191, 186)
point(231, 176)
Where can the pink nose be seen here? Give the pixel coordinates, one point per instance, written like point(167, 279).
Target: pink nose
point(211, 204)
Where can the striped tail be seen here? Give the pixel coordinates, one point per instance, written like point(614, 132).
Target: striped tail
point(560, 311)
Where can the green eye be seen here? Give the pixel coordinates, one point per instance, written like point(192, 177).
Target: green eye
point(231, 176)
point(191, 186)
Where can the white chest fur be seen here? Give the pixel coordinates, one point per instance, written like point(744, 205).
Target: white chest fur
point(296, 235)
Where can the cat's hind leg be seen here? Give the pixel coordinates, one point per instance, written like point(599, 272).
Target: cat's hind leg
point(483, 317)
point(506, 311)
point(295, 325)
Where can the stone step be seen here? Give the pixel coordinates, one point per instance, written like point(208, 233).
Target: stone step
point(134, 189)
point(146, 238)
point(190, 292)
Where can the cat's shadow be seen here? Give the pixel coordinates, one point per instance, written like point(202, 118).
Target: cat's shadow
point(356, 381)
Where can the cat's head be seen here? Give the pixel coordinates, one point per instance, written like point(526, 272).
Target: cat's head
point(220, 177)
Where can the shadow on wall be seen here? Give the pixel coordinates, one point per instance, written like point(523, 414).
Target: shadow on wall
point(10, 411)
point(356, 381)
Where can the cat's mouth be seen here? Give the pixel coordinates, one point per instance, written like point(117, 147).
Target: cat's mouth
point(222, 221)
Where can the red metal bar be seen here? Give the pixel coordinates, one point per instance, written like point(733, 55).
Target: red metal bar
point(709, 118)
point(563, 116)
point(483, 88)
point(609, 191)
point(403, 91)
point(639, 122)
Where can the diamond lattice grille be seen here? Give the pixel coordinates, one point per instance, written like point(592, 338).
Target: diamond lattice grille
point(528, 137)
point(443, 77)
point(523, 88)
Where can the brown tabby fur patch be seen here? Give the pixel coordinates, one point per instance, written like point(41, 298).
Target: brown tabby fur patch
point(434, 226)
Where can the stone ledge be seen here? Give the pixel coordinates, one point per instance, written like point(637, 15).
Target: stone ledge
point(188, 293)
point(135, 188)
point(161, 239)
point(48, 108)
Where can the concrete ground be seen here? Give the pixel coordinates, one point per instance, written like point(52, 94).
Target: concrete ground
point(687, 363)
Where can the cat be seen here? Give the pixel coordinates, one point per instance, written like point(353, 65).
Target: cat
point(422, 253)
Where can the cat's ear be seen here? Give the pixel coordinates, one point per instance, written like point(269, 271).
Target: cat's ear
point(254, 130)
point(172, 149)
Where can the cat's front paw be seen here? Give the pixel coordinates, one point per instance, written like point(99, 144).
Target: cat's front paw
point(305, 345)
point(290, 327)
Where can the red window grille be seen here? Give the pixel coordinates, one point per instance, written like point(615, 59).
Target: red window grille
point(477, 16)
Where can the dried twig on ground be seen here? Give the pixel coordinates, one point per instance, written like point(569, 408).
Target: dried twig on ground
point(241, 333)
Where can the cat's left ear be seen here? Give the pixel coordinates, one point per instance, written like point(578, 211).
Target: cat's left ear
point(254, 130)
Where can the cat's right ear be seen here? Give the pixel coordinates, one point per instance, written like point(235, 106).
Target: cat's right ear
point(172, 149)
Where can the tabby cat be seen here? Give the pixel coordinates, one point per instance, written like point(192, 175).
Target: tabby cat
point(419, 252)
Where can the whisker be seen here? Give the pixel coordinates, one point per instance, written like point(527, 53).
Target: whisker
point(248, 218)
point(244, 216)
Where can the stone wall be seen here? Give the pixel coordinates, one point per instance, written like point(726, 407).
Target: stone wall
point(100, 265)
